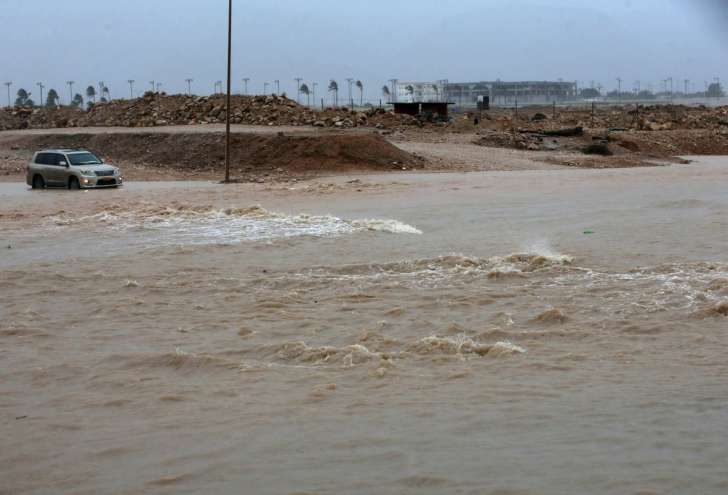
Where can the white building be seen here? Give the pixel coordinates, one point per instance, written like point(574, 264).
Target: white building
point(418, 92)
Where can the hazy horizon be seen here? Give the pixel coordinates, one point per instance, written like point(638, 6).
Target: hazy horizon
point(170, 40)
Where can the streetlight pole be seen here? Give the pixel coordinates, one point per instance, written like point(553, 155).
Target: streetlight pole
point(229, 84)
point(245, 85)
point(40, 85)
point(8, 84)
point(131, 88)
point(278, 87)
point(189, 85)
point(619, 88)
point(265, 88)
point(298, 88)
point(70, 89)
point(154, 86)
point(313, 85)
point(350, 81)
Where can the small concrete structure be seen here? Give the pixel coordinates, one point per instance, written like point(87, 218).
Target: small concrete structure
point(422, 108)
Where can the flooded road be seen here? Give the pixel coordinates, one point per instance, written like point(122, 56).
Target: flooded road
point(542, 332)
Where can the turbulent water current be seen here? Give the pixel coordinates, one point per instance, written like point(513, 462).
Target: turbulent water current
point(523, 333)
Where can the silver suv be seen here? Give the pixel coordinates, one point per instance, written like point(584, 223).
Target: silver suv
point(74, 169)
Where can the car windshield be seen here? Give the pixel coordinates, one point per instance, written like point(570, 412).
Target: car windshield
point(84, 159)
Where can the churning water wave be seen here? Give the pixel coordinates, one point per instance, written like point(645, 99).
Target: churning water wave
point(207, 225)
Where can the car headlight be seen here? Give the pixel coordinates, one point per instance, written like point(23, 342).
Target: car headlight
point(88, 173)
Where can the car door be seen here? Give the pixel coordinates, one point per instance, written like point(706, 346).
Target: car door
point(57, 173)
point(42, 165)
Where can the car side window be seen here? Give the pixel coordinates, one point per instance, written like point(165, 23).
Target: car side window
point(57, 159)
point(42, 159)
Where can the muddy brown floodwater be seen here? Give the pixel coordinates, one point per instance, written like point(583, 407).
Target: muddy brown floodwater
point(539, 332)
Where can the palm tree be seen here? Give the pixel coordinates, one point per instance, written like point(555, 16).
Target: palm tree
point(23, 98)
point(410, 90)
point(77, 100)
point(52, 98)
point(304, 89)
point(360, 85)
point(385, 92)
point(105, 92)
point(334, 88)
point(91, 93)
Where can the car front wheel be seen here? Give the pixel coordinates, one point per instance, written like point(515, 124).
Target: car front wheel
point(73, 184)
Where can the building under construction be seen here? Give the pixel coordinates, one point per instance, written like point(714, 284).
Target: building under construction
point(499, 93)
point(508, 93)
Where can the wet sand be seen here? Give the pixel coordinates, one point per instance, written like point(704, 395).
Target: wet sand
point(535, 332)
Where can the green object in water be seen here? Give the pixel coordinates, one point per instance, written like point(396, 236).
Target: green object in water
point(588, 232)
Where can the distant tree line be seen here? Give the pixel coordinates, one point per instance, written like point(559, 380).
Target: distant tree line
point(23, 98)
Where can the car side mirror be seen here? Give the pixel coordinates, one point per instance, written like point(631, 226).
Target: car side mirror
point(63, 163)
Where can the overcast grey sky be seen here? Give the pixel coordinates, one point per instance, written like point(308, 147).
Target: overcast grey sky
point(169, 40)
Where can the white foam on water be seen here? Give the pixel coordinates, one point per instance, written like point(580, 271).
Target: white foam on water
point(463, 345)
point(204, 225)
point(391, 226)
point(542, 247)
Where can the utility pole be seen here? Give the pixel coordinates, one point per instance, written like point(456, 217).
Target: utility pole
point(245, 85)
point(131, 88)
point(314, 93)
point(70, 89)
point(189, 85)
point(298, 88)
point(671, 88)
point(278, 87)
point(619, 88)
point(8, 84)
point(40, 85)
point(265, 88)
point(229, 89)
point(101, 89)
point(154, 86)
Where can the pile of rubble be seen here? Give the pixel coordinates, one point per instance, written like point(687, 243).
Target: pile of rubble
point(40, 118)
point(155, 109)
point(642, 118)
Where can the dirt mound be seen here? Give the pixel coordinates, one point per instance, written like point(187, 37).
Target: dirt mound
point(629, 147)
point(250, 153)
point(40, 118)
point(160, 110)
